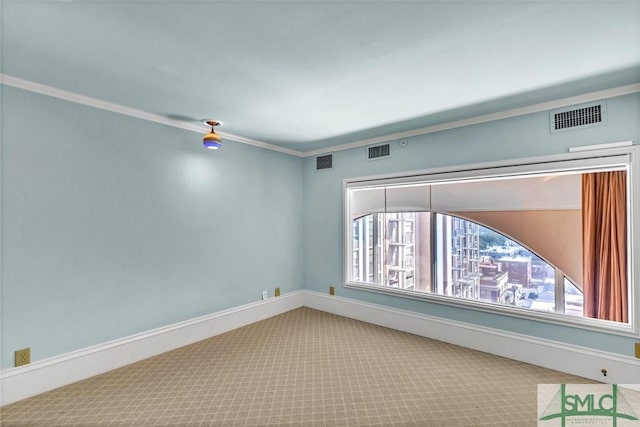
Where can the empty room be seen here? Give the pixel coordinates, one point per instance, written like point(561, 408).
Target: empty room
point(251, 213)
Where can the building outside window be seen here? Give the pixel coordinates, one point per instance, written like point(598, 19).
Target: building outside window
point(469, 263)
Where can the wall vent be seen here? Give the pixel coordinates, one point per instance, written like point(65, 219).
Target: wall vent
point(379, 151)
point(324, 162)
point(585, 116)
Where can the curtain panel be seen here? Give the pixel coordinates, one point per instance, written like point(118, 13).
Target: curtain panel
point(604, 232)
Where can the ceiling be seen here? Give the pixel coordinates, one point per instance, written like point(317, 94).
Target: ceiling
point(308, 75)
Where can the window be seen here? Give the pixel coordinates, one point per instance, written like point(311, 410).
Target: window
point(473, 262)
point(512, 239)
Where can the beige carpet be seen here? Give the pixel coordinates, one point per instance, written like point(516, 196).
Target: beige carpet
point(304, 367)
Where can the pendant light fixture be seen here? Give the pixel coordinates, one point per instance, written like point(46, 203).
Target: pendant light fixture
point(212, 140)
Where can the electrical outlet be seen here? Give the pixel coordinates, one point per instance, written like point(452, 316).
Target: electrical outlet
point(265, 295)
point(23, 357)
point(277, 292)
point(332, 290)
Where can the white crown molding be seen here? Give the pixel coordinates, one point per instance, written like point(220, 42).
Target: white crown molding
point(514, 112)
point(261, 144)
point(28, 85)
point(77, 98)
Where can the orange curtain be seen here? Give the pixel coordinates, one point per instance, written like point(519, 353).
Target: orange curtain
point(604, 243)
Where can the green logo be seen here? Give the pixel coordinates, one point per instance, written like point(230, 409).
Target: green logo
point(587, 406)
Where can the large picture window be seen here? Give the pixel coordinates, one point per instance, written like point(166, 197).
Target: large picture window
point(547, 239)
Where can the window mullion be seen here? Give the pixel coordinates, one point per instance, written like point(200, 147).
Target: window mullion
point(559, 291)
point(432, 252)
point(376, 254)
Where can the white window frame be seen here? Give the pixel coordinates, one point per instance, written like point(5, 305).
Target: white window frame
point(602, 159)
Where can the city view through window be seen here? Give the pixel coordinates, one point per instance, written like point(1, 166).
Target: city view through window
point(543, 240)
point(452, 256)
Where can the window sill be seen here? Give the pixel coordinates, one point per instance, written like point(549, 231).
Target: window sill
point(597, 325)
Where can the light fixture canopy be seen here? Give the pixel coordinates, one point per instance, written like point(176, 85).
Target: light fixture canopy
point(212, 140)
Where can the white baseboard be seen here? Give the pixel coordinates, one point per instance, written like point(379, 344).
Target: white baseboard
point(48, 374)
point(581, 361)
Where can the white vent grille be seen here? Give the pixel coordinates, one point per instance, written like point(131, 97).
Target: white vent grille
point(587, 116)
point(379, 151)
point(324, 162)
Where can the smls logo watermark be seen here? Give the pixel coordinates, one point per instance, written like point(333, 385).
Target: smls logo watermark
point(587, 405)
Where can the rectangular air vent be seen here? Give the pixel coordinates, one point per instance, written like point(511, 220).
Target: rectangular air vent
point(324, 162)
point(379, 151)
point(587, 116)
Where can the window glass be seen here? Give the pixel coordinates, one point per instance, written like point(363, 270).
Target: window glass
point(473, 262)
point(573, 299)
point(514, 241)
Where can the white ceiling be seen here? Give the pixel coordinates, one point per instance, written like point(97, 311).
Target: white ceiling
point(309, 75)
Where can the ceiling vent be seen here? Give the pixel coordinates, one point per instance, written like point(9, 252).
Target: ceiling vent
point(379, 151)
point(578, 118)
point(324, 162)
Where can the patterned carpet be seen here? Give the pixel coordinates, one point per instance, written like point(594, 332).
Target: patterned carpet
point(304, 367)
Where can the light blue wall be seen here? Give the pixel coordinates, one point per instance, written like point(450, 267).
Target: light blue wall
point(113, 226)
point(518, 137)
